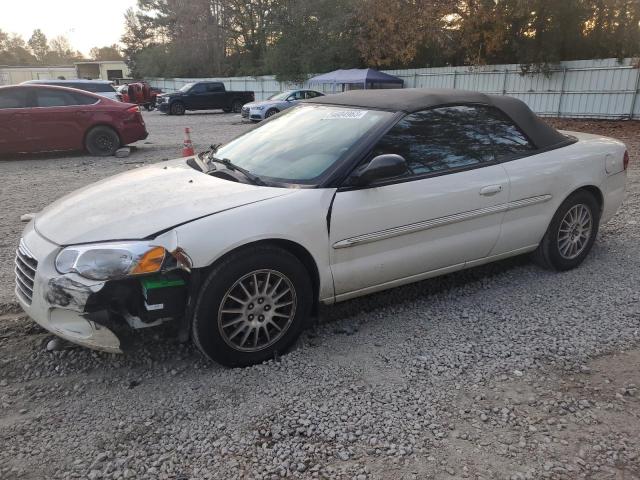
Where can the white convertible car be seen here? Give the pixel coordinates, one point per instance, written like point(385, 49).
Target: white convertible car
point(335, 198)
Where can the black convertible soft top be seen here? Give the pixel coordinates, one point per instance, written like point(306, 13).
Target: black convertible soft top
point(411, 100)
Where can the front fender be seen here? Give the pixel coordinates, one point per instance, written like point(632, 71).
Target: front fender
point(300, 218)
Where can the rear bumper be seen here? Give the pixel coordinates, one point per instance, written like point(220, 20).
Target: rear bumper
point(58, 301)
point(131, 133)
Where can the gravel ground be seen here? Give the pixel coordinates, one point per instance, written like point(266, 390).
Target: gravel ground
point(505, 371)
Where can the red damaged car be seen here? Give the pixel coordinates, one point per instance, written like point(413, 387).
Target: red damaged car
point(39, 118)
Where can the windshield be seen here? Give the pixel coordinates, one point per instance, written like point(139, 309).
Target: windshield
point(280, 96)
point(186, 87)
point(302, 143)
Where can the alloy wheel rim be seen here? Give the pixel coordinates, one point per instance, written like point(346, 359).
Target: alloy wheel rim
point(257, 310)
point(575, 231)
point(104, 143)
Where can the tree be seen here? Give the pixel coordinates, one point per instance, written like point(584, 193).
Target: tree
point(190, 33)
point(135, 39)
point(292, 38)
point(111, 52)
point(14, 51)
point(39, 46)
point(61, 52)
point(313, 37)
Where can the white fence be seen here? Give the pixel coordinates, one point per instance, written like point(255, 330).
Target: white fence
point(605, 88)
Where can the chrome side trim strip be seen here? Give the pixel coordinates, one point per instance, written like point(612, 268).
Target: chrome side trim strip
point(439, 222)
point(525, 202)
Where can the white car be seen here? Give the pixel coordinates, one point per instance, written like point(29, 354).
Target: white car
point(104, 88)
point(256, 111)
point(336, 198)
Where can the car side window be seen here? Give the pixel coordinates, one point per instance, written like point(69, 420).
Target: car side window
point(79, 99)
point(54, 98)
point(13, 98)
point(296, 96)
point(312, 94)
point(439, 140)
point(507, 138)
point(198, 88)
point(215, 87)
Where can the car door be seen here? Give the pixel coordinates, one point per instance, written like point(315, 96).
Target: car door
point(533, 178)
point(58, 120)
point(196, 98)
point(446, 211)
point(216, 96)
point(15, 127)
point(294, 99)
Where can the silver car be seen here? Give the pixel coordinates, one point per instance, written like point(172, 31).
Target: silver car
point(257, 111)
point(104, 88)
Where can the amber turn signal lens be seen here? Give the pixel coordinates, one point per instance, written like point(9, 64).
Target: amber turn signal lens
point(150, 262)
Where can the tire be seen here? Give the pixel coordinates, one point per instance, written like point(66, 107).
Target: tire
point(243, 330)
point(177, 108)
point(564, 245)
point(270, 112)
point(226, 110)
point(102, 141)
point(236, 106)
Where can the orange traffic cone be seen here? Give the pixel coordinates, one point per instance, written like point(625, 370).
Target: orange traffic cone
point(187, 146)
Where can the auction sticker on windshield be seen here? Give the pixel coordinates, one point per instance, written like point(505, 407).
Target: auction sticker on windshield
point(345, 114)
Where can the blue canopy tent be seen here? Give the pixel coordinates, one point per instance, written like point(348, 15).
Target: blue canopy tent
point(358, 78)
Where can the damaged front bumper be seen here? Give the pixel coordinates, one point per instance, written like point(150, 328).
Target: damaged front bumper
point(58, 302)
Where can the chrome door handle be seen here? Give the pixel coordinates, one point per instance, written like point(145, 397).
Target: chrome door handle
point(490, 190)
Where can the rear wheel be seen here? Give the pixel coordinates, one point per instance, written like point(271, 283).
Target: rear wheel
point(102, 141)
point(252, 306)
point(571, 233)
point(236, 106)
point(177, 108)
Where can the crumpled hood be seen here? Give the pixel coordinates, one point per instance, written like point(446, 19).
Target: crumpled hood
point(144, 201)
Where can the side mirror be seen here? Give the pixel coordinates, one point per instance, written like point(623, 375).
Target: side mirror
point(384, 166)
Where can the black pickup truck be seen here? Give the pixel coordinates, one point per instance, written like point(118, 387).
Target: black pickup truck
point(203, 96)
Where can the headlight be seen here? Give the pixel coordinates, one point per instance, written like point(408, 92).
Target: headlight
point(110, 261)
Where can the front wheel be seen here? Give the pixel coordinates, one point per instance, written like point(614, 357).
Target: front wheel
point(252, 306)
point(177, 108)
point(571, 233)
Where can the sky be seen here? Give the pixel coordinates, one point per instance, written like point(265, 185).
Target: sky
point(86, 23)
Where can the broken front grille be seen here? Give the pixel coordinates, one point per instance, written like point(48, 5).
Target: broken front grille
point(26, 266)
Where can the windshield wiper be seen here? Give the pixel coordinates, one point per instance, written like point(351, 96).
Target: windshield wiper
point(211, 158)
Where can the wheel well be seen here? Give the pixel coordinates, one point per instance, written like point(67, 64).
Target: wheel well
point(595, 191)
point(297, 251)
point(86, 134)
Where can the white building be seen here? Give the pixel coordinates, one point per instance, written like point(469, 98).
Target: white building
point(102, 70)
point(15, 75)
